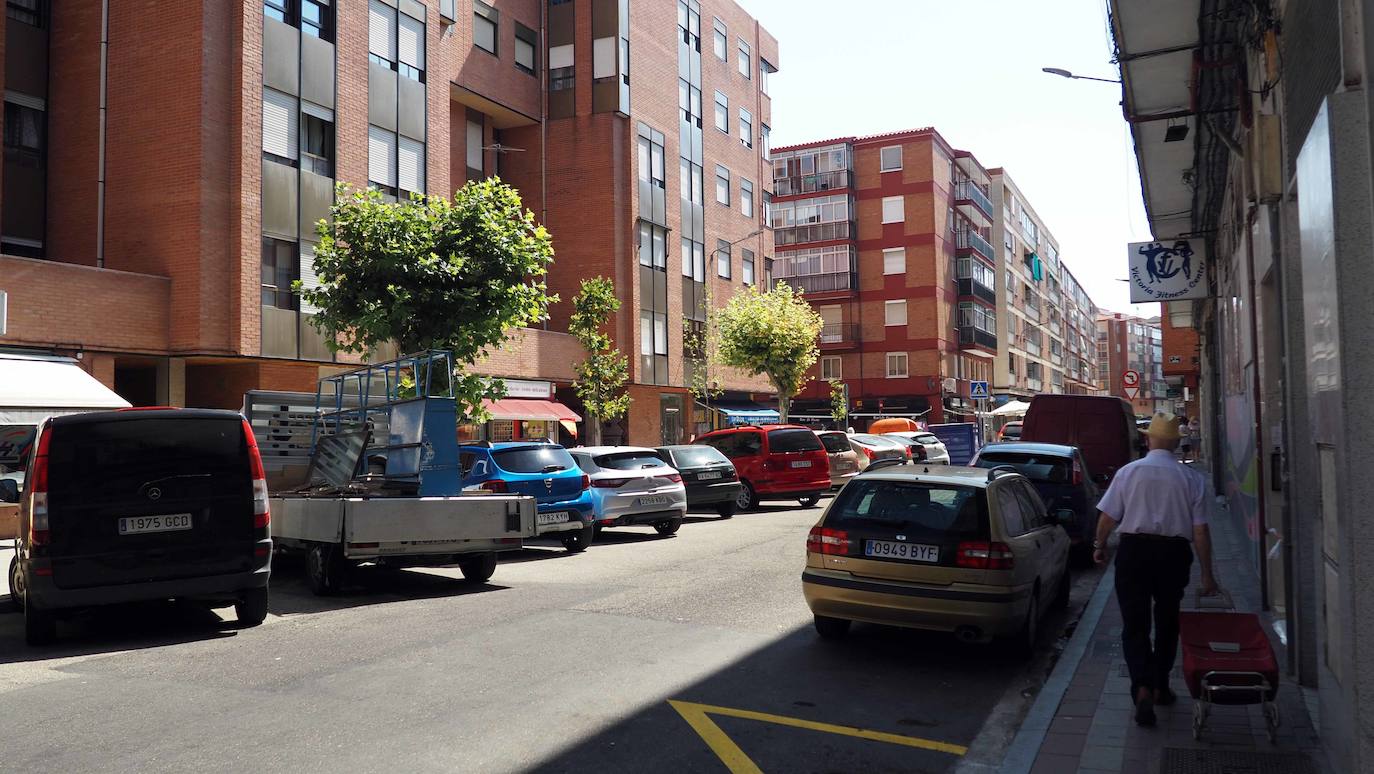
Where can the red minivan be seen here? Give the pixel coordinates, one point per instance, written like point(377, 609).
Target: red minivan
point(775, 462)
point(1102, 427)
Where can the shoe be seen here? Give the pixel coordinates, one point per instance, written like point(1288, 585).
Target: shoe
point(1145, 708)
point(1165, 697)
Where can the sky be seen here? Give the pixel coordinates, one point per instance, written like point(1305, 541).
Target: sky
point(972, 70)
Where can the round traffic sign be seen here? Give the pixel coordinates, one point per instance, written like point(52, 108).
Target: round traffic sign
point(1130, 379)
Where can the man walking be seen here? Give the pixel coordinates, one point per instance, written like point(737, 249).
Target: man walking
point(1159, 505)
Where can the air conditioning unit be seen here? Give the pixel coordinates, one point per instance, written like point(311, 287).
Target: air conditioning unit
point(949, 384)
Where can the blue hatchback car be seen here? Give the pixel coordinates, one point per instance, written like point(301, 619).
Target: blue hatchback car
point(546, 472)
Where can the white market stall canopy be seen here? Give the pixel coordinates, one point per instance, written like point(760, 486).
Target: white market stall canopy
point(33, 387)
point(1014, 408)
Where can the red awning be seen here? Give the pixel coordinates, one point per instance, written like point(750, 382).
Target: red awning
point(530, 410)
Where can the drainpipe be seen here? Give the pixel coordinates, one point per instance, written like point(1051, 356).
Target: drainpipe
point(100, 171)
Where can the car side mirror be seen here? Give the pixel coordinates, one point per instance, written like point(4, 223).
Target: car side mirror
point(1064, 516)
point(9, 491)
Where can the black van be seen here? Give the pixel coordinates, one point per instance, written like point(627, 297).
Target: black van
point(141, 504)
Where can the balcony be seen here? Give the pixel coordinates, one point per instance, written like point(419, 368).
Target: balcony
point(819, 232)
point(822, 283)
point(974, 289)
point(839, 336)
point(972, 240)
point(972, 201)
point(971, 336)
point(804, 184)
point(1035, 385)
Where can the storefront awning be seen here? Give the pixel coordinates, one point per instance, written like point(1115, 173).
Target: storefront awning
point(33, 387)
point(530, 410)
point(746, 413)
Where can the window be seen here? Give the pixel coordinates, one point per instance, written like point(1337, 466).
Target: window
point(1009, 506)
point(280, 126)
point(765, 69)
point(484, 24)
point(526, 44)
point(831, 368)
point(410, 166)
point(381, 34)
point(24, 134)
point(19, 9)
point(746, 63)
point(890, 158)
point(746, 197)
point(722, 185)
point(317, 140)
point(316, 18)
point(476, 167)
point(894, 313)
point(746, 128)
point(722, 113)
point(651, 163)
point(894, 209)
point(381, 159)
point(764, 147)
point(722, 259)
point(411, 48)
point(721, 41)
point(653, 246)
point(693, 260)
point(280, 268)
point(746, 266)
point(896, 365)
point(894, 260)
point(561, 72)
point(653, 333)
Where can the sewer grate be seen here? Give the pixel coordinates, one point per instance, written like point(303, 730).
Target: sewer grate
point(1178, 760)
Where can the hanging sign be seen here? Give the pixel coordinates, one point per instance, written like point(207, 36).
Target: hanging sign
point(1171, 270)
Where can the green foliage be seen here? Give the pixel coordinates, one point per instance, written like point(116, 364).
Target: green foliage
point(601, 378)
point(429, 273)
point(839, 404)
point(773, 333)
point(701, 351)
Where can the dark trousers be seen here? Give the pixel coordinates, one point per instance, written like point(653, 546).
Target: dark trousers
point(1151, 574)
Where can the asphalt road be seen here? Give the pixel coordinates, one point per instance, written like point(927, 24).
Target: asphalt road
point(562, 663)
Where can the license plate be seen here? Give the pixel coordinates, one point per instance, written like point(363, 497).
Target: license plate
point(553, 518)
point(167, 522)
point(654, 500)
point(708, 476)
point(801, 463)
point(911, 552)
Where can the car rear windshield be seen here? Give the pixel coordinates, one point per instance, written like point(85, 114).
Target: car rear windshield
point(697, 456)
point(204, 455)
point(1036, 467)
point(534, 459)
point(878, 441)
point(835, 442)
point(780, 441)
point(629, 460)
point(928, 438)
point(925, 510)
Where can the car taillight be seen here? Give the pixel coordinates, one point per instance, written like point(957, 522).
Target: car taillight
point(823, 540)
point(1077, 474)
point(611, 483)
point(496, 486)
point(262, 516)
point(586, 481)
point(981, 555)
point(867, 452)
point(676, 478)
point(38, 487)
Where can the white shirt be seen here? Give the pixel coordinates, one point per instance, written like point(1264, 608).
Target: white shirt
point(1157, 495)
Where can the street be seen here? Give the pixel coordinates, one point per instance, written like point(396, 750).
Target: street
point(642, 654)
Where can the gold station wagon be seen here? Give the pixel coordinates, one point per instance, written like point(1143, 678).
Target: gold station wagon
point(964, 550)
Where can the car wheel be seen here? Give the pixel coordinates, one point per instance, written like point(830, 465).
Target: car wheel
point(746, 500)
point(809, 500)
point(478, 569)
point(16, 586)
point(251, 608)
point(576, 542)
point(1023, 645)
point(726, 510)
point(40, 626)
point(831, 628)
point(1061, 592)
point(670, 527)
point(325, 569)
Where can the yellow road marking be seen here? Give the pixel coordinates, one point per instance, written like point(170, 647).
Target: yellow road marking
point(698, 717)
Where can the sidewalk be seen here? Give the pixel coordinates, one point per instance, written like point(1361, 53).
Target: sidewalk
point(1082, 719)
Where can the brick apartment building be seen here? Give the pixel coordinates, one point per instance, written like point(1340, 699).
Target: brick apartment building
point(1182, 358)
point(1128, 343)
point(172, 189)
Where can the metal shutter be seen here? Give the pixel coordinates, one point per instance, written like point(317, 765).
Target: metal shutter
point(280, 124)
point(412, 42)
point(381, 30)
point(411, 165)
point(381, 156)
point(308, 279)
point(1311, 59)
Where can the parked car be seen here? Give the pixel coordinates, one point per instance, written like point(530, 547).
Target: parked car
point(1011, 431)
point(631, 486)
point(1102, 427)
point(774, 462)
point(145, 504)
point(709, 477)
point(880, 447)
point(925, 446)
point(961, 550)
point(544, 471)
point(1060, 474)
point(845, 460)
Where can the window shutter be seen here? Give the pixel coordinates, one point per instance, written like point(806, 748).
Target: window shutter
point(561, 56)
point(411, 165)
point(308, 279)
point(381, 156)
point(603, 58)
point(381, 30)
point(474, 149)
point(280, 124)
point(412, 42)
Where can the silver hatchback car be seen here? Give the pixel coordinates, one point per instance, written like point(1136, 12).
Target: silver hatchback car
point(632, 485)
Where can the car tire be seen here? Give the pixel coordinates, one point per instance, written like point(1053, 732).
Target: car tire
point(1023, 643)
point(726, 510)
point(251, 607)
point(478, 569)
point(831, 628)
point(1061, 592)
point(40, 626)
point(16, 599)
point(809, 501)
point(577, 541)
point(325, 569)
point(747, 499)
point(669, 527)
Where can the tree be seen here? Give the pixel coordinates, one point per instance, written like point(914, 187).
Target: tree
point(701, 351)
point(429, 273)
point(839, 401)
point(602, 376)
point(773, 333)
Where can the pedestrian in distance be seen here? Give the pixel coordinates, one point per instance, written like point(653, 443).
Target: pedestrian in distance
point(1159, 506)
point(1185, 443)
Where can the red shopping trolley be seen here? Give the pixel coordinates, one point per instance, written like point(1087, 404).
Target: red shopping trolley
point(1227, 659)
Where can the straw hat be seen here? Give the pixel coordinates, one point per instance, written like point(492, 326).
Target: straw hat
point(1164, 427)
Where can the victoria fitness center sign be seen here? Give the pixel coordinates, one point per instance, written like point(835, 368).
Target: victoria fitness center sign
point(1171, 270)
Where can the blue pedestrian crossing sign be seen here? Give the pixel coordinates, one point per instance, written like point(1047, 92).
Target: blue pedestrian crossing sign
point(978, 390)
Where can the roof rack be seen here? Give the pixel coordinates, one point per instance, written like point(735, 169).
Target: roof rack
point(1001, 470)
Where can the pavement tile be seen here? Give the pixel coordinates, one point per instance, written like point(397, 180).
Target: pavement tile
point(1071, 725)
point(1102, 756)
point(1054, 764)
point(1087, 770)
point(1077, 708)
point(1063, 744)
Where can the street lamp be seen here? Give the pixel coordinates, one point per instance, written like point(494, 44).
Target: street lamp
point(1066, 74)
point(706, 393)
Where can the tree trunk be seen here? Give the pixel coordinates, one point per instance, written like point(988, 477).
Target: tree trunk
point(784, 406)
point(593, 430)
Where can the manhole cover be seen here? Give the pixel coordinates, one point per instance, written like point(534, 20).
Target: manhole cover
point(1178, 760)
